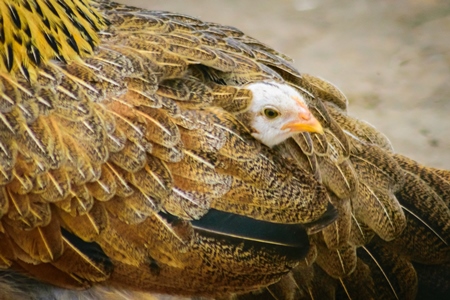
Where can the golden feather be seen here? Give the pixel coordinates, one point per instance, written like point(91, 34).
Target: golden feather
point(127, 161)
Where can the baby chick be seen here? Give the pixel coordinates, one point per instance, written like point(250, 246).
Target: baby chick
point(277, 112)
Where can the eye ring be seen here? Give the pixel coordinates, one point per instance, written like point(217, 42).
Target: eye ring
point(271, 113)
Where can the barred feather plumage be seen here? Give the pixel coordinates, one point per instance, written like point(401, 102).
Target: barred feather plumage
point(127, 161)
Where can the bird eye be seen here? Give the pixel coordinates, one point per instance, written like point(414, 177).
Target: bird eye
point(271, 113)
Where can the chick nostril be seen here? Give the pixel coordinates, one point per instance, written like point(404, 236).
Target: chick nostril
point(305, 116)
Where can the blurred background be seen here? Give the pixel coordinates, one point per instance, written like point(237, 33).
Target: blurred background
point(391, 58)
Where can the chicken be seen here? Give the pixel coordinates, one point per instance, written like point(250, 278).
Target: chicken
point(132, 162)
point(277, 112)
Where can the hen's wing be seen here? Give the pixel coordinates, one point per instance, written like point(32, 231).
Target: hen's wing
point(124, 164)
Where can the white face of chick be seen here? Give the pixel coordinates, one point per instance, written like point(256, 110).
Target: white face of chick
point(278, 112)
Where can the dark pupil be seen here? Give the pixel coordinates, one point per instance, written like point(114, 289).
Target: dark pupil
point(271, 113)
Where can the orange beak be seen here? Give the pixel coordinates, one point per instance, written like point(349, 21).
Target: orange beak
point(305, 122)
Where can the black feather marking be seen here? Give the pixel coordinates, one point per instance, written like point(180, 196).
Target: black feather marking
point(70, 14)
point(171, 219)
point(46, 22)
point(18, 39)
point(65, 30)
point(326, 219)
point(8, 57)
point(38, 9)
point(25, 72)
point(154, 267)
point(2, 32)
point(287, 239)
point(27, 6)
point(27, 31)
point(15, 16)
point(106, 22)
point(34, 54)
point(66, 8)
point(78, 25)
point(89, 39)
point(90, 249)
point(52, 42)
point(61, 59)
point(248, 228)
point(71, 41)
point(89, 20)
point(52, 8)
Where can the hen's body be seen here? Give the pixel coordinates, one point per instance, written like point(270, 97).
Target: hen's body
point(130, 167)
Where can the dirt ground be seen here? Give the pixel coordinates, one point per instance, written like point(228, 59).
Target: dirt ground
point(391, 58)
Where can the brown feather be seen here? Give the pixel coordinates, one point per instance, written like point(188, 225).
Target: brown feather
point(126, 157)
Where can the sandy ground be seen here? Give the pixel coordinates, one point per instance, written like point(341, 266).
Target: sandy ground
point(391, 58)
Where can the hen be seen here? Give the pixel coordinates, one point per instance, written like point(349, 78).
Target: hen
point(130, 163)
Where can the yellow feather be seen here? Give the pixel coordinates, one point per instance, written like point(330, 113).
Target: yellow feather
point(30, 39)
